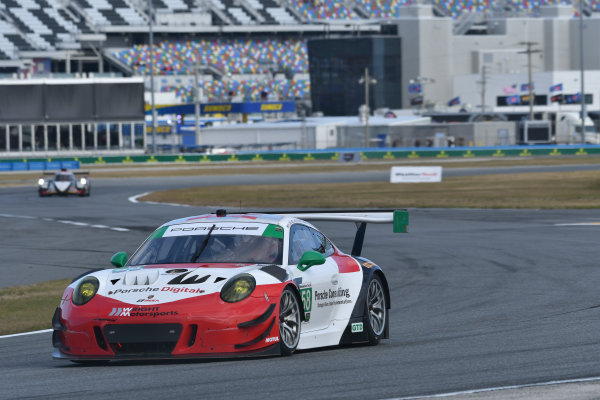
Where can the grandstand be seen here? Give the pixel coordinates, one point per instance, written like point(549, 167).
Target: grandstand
point(242, 49)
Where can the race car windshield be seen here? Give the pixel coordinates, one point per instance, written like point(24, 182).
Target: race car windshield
point(209, 249)
point(63, 178)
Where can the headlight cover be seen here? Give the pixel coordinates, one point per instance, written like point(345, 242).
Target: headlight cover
point(238, 288)
point(85, 291)
point(41, 181)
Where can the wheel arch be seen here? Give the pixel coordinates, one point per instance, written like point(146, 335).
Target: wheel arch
point(296, 292)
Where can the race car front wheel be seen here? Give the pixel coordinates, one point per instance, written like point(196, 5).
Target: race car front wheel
point(289, 322)
point(376, 309)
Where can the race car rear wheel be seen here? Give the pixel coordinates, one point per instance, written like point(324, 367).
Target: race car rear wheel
point(289, 322)
point(376, 309)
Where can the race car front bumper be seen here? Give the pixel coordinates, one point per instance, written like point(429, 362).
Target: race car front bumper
point(79, 337)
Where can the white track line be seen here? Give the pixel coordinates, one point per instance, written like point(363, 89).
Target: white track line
point(485, 390)
point(580, 224)
point(26, 333)
point(134, 199)
point(67, 222)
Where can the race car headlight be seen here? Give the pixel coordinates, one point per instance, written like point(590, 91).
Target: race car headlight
point(238, 288)
point(85, 291)
point(83, 181)
point(41, 181)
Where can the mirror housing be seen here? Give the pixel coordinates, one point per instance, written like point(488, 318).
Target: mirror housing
point(119, 259)
point(309, 259)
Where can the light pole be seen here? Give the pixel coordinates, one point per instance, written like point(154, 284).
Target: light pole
point(583, 110)
point(151, 43)
point(367, 81)
point(197, 99)
point(529, 52)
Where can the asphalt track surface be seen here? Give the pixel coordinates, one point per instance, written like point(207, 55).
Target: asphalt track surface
point(480, 299)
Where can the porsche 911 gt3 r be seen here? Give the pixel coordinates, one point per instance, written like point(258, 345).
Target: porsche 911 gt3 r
point(223, 285)
point(64, 182)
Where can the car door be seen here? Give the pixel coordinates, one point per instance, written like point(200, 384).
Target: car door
point(318, 282)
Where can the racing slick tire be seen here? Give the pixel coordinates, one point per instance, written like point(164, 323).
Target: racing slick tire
point(376, 310)
point(289, 322)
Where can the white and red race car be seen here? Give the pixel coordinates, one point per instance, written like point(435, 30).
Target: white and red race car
point(220, 285)
point(64, 182)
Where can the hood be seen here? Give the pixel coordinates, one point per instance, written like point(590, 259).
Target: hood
point(169, 283)
point(62, 186)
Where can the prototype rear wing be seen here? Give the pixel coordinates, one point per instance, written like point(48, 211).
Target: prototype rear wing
point(399, 219)
point(74, 172)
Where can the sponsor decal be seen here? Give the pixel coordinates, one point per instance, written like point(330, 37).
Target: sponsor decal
point(152, 312)
point(337, 297)
point(217, 228)
point(367, 264)
point(272, 339)
point(306, 296)
point(150, 299)
point(155, 289)
point(181, 290)
point(217, 108)
point(220, 229)
point(140, 290)
point(357, 327)
point(271, 107)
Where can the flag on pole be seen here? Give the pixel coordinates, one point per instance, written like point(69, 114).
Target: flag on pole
point(510, 89)
point(556, 88)
point(525, 87)
point(574, 98)
point(513, 99)
point(455, 101)
point(414, 88)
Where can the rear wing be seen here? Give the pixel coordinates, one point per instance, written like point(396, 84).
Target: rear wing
point(74, 172)
point(399, 219)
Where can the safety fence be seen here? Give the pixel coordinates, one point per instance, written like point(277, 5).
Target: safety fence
point(315, 155)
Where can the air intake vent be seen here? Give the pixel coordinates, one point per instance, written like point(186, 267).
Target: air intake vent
point(141, 278)
point(143, 339)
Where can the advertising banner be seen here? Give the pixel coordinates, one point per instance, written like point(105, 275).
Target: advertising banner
point(415, 174)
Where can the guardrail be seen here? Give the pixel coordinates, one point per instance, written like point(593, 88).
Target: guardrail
point(304, 155)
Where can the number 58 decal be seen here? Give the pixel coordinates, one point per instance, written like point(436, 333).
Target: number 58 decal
point(306, 295)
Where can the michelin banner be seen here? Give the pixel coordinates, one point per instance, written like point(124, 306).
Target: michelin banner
point(415, 174)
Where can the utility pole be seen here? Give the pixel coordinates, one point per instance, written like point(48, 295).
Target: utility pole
point(197, 102)
point(483, 83)
point(529, 52)
point(151, 42)
point(368, 81)
point(583, 110)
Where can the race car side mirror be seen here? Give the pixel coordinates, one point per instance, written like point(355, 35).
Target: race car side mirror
point(309, 259)
point(119, 259)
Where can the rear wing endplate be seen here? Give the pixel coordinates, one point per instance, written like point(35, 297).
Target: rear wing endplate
point(399, 219)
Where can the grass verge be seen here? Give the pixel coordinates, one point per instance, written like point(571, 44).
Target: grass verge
point(545, 190)
point(30, 307)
